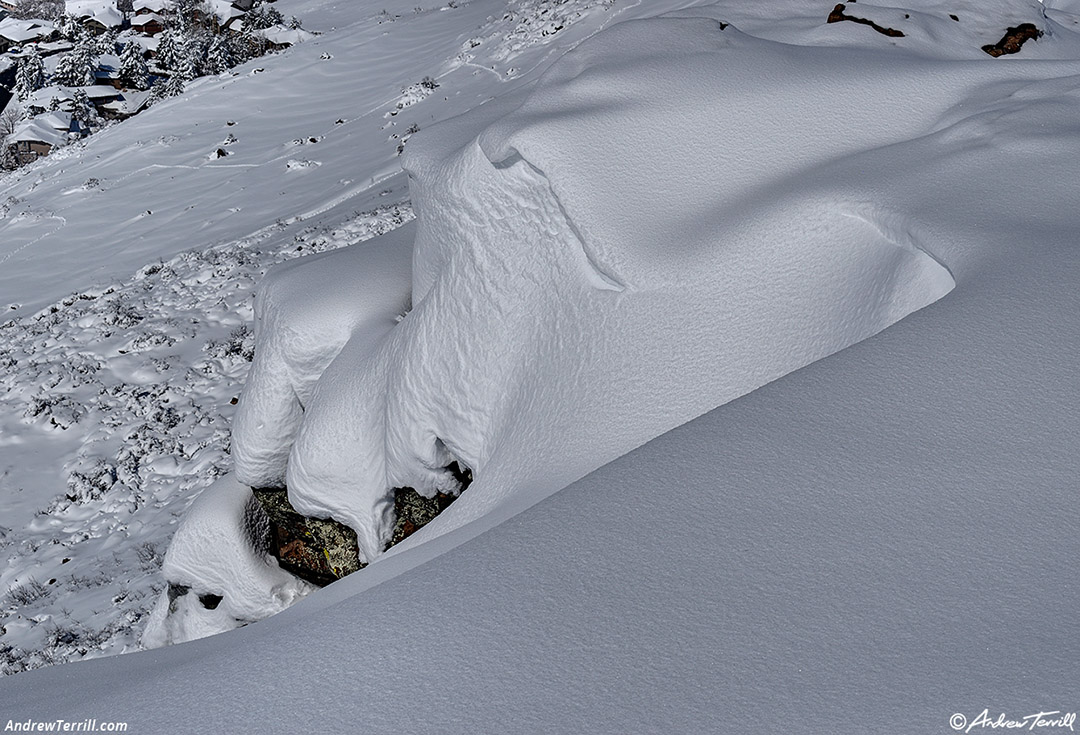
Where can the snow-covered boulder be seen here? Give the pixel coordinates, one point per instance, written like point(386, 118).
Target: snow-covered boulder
point(219, 571)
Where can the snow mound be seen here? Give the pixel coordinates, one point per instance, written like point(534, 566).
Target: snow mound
point(222, 528)
point(646, 237)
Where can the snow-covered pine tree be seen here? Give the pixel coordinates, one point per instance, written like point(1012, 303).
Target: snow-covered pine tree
point(76, 68)
point(31, 74)
point(83, 110)
point(262, 17)
point(167, 49)
point(220, 57)
point(105, 43)
point(191, 56)
point(69, 27)
point(173, 86)
point(133, 69)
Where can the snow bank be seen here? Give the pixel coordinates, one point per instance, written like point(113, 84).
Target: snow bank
point(219, 547)
point(646, 237)
point(869, 544)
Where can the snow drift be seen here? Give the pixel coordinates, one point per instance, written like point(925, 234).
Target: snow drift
point(677, 214)
point(878, 541)
point(569, 261)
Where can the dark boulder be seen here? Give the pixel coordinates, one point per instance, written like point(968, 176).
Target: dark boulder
point(323, 550)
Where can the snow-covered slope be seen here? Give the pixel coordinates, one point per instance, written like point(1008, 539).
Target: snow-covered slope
point(874, 543)
point(880, 540)
point(116, 395)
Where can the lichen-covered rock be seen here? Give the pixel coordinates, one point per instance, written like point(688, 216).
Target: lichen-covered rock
point(315, 549)
point(323, 550)
point(1013, 39)
point(838, 15)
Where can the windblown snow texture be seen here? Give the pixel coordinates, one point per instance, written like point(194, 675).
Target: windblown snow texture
point(681, 213)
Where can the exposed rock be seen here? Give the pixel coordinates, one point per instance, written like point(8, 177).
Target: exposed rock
point(323, 550)
point(314, 549)
point(1013, 39)
point(838, 15)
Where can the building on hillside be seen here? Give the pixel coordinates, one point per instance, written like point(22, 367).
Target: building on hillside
point(97, 16)
point(16, 32)
point(38, 136)
point(148, 23)
point(130, 102)
point(157, 7)
point(107, 72)
point(281, 37)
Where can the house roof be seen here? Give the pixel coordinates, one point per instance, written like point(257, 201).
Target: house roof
point(47, 48)
point(21, 31)
point(51, 128)
point(153, 6)
point(42, 97)
point(108, 67)
point(129, 103)
point(225, 10)
point(283, 36)
point(103, 11)
point(143, 19)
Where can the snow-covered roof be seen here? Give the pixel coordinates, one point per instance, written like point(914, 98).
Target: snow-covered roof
point(51, 128)
point(129, 102)
point(47, 48)
point(101, 92)
point(284, 36)
point(149, 43)
point(103, 11)
point(108, 67)
point(153, 6)
point(144, 18)
point(224, 10)
point(20, 31)
point(44, 96)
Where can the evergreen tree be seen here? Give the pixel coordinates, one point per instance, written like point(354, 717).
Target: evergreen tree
point(133, 70)
point(173, 86)
point(31, 74)
point(167, 49)
point(220, 57)
point(76, 68)
point(83, 110)
point(105, 43)
point(190, 56)
point(262, 17)
point(70, 28)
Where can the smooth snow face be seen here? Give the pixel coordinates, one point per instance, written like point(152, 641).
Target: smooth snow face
point(648, 236)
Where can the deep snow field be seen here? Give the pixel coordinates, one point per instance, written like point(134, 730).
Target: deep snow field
point(758, 333)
